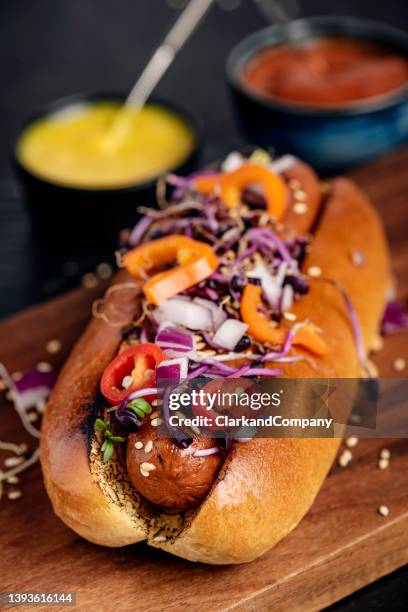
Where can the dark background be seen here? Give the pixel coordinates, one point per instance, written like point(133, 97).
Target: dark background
point(51, 48)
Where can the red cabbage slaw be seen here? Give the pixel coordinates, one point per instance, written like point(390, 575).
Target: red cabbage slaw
point(28, 391)
point(203, 323)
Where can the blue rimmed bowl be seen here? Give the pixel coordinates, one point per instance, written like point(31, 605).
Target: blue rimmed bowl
point(330, 139)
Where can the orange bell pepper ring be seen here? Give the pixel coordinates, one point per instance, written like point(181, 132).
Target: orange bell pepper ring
point(230, 186)
point(264, 330)
point(195, 261)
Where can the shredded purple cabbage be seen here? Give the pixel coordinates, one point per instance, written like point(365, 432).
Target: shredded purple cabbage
point(35, 379)
point(395, 318)
point(139, 230)
point(127, 418)
point(263, 235)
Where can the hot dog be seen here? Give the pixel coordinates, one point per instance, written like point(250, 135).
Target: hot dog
point(198, 498)
point(180, 481)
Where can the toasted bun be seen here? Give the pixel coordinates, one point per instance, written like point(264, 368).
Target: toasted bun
point(266, 485)
point(95, 509)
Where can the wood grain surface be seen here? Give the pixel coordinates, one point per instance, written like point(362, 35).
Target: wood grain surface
point(340, 546)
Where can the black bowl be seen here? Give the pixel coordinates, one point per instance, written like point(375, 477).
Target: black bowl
point(73, 219)
point(329, 139)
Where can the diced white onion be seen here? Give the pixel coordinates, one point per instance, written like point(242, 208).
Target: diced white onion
point(217, 313)
point(287, 298)
point(270, 284)
point(230, 333)
point(282, 164)
point(186, 313)
point(232, 162)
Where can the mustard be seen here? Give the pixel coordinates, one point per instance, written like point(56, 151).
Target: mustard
point(77, 147)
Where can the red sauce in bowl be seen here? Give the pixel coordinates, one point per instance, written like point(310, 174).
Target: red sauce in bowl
point(326, 72)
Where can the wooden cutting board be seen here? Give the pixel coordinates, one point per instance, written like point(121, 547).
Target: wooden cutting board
point(341, 545)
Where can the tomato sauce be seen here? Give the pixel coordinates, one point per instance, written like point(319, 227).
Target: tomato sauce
point(326, 72)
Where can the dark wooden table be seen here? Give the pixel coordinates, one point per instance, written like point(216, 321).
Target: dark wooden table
point(341, 545)
point(49, 49)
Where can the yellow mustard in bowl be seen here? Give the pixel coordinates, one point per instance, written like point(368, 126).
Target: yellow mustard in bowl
point(79, 147)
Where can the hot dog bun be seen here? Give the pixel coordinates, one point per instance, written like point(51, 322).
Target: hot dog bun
point(84, 502)
point(266, 485)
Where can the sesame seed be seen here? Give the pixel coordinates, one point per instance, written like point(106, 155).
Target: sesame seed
point(383, 510)
point(295, 184)
point(156, 422)
point(154, 414)
point(383, 464)
point(200, 346)
point(53, 346)
point(149, 446)
point(41, 406)
point(264, 219)
point(144, 473)
point(89, 280)
point(154, 402)
point(300, 208)
point(104, 270)
point(314, 271)
point(44, 366)
point(357, 258)
point(139, 445)
point(17, 376)
point(377, 344)
point(14, 494)
point(345, 458)
point(24, 447)
point(372, 368)
point(352, 441)
point(159, 538)
point(13, 480)
point(290, 316)
point(32, 416)
point(13, 461)
point(127, 381)
point(147, 467)
point(400, 364)
point(3, 385)
point(385, 453)
point(300, 194)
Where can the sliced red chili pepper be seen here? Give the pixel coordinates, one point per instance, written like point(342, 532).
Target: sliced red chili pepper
point(139, 362)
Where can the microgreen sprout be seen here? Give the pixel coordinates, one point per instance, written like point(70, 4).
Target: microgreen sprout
point(110, 440)
point(139, 407)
